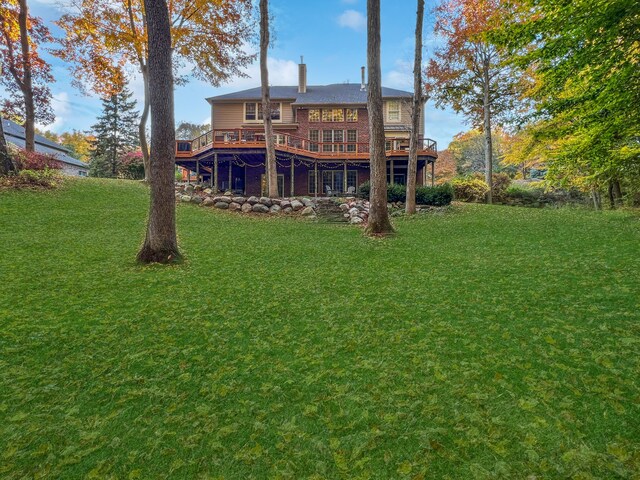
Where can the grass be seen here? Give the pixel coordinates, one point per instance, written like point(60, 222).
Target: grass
point(487, 342)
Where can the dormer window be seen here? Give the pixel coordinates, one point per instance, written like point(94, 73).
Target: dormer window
point(253, 112)
point(393, 111)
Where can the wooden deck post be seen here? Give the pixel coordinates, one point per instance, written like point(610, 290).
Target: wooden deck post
point(215, 173)
point(344, 180)
point(230, 174)
point(433, 173)
point(197, 172)
point(391, 176)
point(292, 181)
point(315, 176)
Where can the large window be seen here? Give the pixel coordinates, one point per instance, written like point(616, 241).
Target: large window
point(312, 182)
point(352, 114)
point(393, 111)
point(334, 180)
point(352, 139)
point(314, 114)
point(253, 111)
point(333, 140)
point(332, 115)
point(314, 138)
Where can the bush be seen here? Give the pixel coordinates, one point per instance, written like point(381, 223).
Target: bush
point(437, 196)
point(469, 189)
point(519, 192)
point(501, 182)
point(396, 192)
point(32, 179)
point(34, 161)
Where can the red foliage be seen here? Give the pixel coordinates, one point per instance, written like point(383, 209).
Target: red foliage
point(35, 161)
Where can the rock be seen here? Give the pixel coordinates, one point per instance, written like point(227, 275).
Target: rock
point(196, 200)
point(297, 205)
point(287, 210)
point(285, 204)
point(207, 191)
point(185, 198)
point(222, 205)
point(239, 200)
point(260, 208)
point(353, 212)
point(189, 189)
point(355, 220)
point(207, 202)
point(276, 201)
point(307, 212)
point(220, 198)
point(266, 201)
point(307, 202)
point(346, 215)
point(253, 200)
point(275, 209)
point(198, 188)
point(228, 193)
point(246, 207)
point(234, 206)
point(344, 207)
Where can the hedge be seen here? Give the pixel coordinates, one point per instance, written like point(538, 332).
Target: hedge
point(437, 196)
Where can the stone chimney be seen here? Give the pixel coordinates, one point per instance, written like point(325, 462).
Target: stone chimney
point(302, 76)
point(363, 85)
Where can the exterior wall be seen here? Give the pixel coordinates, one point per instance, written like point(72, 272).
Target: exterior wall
point(362, 125)
point(231, 115)
point(74, 170)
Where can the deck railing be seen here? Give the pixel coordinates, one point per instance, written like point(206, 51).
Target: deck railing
point(247, 138)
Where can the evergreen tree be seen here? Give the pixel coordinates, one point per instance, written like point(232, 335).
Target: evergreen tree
point(116, 133)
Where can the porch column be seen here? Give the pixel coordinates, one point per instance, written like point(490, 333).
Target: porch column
point(424, 174)
point(433, 173)
point(230, 173)
point(197, 172)
point(391, 177)
point(315, 174)
point(215, 172)
point(211, 178)
point(292, 181)
point(344, 180)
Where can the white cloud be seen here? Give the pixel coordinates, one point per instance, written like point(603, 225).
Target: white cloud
point(401, 76)
point(350, 2)
point(61, 108)
point(352, 19)
point(281, 72)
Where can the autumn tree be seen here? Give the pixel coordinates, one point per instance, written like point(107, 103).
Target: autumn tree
point(26, 75)
point(105, 38)
point(160, 244)
point(270, 154)
point(416, 109)
point(189, 131)
point(379, 222)
point(467, 71)
point(114, 132)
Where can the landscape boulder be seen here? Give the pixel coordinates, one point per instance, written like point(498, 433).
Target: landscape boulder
point(208, 202)
point(233, 206)
point(222, 205)
point(297, 205)
point(266, 201)
point(196, 199)
point(285, 204)
point(260, 208)
point(221, 198)
point(275, 209)
point(246, 207)
point(253, 200)
point(308, 211)
point(185, 198)
point(239, 200)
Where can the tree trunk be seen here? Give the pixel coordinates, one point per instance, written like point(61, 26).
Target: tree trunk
point(379, 223)
point(27, 84)
point(160, 244)
point(488, 148)
point(617, 192)
point(270, 157)
point(142, 127)
point(595, 196)
point(612, 200)
point(114, 132)
point(412, 167)
point(6, 165)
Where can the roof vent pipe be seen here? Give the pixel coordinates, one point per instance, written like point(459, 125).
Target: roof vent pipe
point(363, 86)
point(302, 76)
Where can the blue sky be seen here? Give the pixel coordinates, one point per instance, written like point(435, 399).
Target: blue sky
point(329, 33)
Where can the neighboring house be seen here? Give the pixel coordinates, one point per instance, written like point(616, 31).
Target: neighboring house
point(14, 134)
point(322, 140)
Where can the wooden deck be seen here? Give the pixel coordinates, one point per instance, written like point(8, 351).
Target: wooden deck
point(285, 142)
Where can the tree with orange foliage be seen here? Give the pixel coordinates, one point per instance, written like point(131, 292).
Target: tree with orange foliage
point(467, 71)
point(107, 37)
point(26, 75)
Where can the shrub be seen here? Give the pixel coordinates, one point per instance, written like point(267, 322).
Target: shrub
point(32, 179)
point(396, 192)
point(469, 189)
point(519, 192)
point(35, 161)
point(501, 182)
point(131, 166)
point(437, 196)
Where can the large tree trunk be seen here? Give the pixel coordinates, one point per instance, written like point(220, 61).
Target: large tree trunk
point(27, 84)
point(142, 127)
point(114, 132)
point(488, 148)
point(6, 165)
point(379, 223)
point(416, 108)
point(161, 243)
point(270, 157)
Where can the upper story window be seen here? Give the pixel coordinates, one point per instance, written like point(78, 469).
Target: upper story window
point(314, 114)
point(332, 115)
point(393, 111)
point(352, 114)
point(253, 111)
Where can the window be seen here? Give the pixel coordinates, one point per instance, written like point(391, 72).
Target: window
point(314, 114)
point(263, 185)
point(253, 111)
point(314, 137)
point(332, 137)
point(312, 182)
point(393, 111)
point(332, 115)
point(352, 114)
point(334, 180)
point(352, 139)
point(82, 173)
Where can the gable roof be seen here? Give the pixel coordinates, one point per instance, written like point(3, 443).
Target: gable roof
point(14, 133)
point(334, 94)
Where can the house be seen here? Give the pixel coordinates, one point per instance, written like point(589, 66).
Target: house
point(321, 134)
point(14, 134)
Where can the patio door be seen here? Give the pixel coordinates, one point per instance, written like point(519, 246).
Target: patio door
point(263, 185)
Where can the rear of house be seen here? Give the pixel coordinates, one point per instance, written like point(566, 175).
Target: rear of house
point(321, 134)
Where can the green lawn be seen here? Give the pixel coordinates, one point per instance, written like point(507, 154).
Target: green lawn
point(486, 342)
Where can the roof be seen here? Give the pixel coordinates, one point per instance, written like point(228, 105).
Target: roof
point(334, 94)
point(14, 133)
